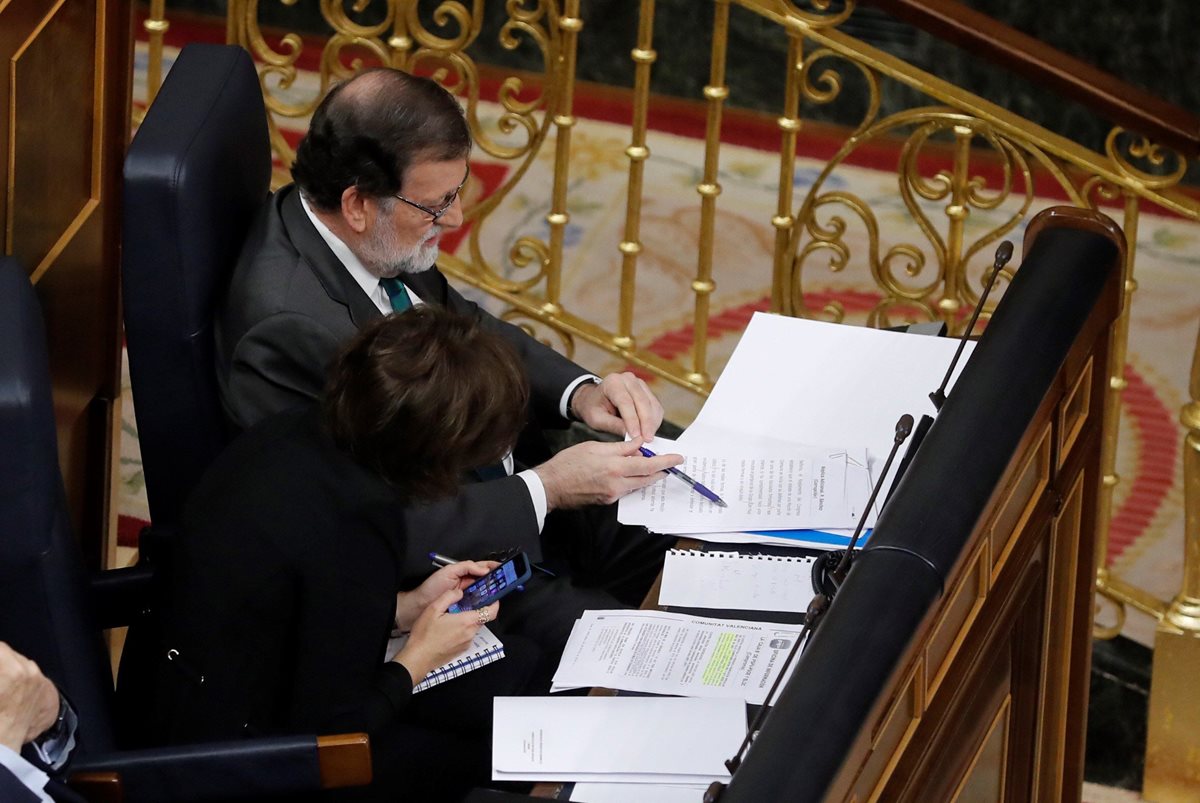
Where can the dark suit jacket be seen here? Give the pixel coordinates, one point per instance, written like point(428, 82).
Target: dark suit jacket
point(291, 306)
point(284, 593)
point(13, 790)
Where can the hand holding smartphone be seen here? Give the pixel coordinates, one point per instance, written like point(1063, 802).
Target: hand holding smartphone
point(506, 577)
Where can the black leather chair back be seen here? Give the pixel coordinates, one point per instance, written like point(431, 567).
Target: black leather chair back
point(46, 605)
point(195, 175)
point(44, 611)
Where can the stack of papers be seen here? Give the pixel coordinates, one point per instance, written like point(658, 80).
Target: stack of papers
point(673, 653)
point(778, 488)
point(673, 740)
point(792, 383)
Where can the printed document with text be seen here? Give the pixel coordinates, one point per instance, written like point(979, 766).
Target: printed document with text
point(673, 653)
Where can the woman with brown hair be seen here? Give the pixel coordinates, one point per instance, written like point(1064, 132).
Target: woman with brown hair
point(294, 567)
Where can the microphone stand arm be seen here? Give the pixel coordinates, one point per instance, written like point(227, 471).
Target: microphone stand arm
point(904, 428)
point(1004, 253)
point(812, 618)
point(827, 576)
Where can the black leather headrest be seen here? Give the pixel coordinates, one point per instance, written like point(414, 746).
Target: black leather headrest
point(195, 176)
point(29, 455)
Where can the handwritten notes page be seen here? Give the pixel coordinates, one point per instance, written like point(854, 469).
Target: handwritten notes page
point(735, 581)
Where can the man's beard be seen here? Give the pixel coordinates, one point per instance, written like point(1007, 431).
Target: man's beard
point(384, 257)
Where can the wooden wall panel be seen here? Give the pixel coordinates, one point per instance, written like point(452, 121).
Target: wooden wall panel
point(51, 188)
point(64, 92)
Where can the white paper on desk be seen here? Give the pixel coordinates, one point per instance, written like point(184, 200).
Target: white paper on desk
point(677, 739)
point(673, 653)
point(773, 487)
point(587, 792)
point(736, 581)
point(798, 381)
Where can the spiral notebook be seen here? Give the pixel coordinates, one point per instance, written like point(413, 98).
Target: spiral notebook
point(736, 581)
point(485, 649)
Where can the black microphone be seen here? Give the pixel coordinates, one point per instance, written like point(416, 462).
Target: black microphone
point(918, 437)
point(1004, 253)
point(827, 576)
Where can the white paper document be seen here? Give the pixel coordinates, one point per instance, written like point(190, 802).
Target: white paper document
point(588, 792)
point(615, 739)
point(736, 581)
point(777, 488)
point(673, 653)
point(798, 381)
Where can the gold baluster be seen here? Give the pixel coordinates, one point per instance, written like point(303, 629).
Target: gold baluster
point(630, 246)
point(783, 221)
point(156, 25)
point(958, 211)
point(703, 285)
point(233, 22)
point(1173, 733)
point(1112, 421)
point(564, 120)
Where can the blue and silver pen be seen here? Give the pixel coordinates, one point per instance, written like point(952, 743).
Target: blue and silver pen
point(440, 560)
point(697, 487)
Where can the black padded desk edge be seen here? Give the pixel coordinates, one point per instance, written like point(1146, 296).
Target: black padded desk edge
point(890, 589)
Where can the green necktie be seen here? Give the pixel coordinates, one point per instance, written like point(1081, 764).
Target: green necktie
point(397, 294)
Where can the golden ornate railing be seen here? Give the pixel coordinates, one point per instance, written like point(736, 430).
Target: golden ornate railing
point(934, 274)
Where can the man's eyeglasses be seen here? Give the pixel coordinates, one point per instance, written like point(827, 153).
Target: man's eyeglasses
point(441, 210)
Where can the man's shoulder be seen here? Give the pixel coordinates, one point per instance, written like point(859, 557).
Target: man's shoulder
point(273, 269)
point(277, 272)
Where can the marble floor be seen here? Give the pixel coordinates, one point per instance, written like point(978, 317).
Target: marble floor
point(1117, 707)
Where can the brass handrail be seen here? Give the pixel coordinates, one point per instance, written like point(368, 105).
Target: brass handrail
point(1101, 92)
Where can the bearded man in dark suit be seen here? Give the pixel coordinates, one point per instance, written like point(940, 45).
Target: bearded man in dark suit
point(378, 179)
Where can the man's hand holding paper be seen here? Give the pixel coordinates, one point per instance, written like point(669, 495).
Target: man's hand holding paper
point(596, 473)
point(782, 487)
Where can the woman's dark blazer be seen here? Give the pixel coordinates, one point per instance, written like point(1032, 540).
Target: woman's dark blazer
point(284, 584)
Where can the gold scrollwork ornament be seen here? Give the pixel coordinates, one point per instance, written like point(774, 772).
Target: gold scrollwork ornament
point(1124, 148)
point(563, 342)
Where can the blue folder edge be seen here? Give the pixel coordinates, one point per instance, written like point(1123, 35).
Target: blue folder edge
point(833, 540)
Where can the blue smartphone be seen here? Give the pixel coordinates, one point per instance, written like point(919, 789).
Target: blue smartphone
point(506, 577)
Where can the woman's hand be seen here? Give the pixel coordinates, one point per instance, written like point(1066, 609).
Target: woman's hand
point(438, 636)
point(410, 604)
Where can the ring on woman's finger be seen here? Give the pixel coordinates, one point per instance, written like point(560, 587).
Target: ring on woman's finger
point(483, 616)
